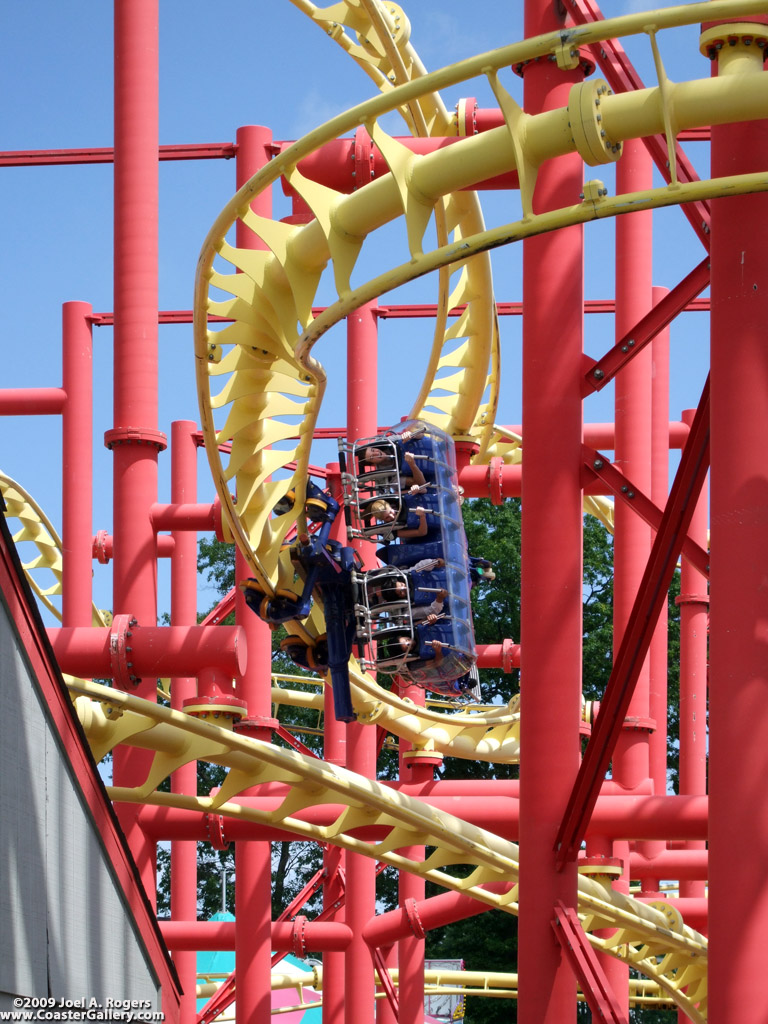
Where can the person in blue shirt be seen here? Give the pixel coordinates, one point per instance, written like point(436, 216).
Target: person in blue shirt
point(411, 649)
point(396, 452)
point(404, 524)
point(426, 603)
point(412, 479)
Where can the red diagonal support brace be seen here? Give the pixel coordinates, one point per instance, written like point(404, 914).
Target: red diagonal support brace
point(217, 1004)
point(625, 491)
point(651, 595)
point(291, 740)
point(646, 329)
point(583, 959)
point(386, 982)
point(622, 77)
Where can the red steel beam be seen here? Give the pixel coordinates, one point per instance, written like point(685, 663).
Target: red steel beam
point(206, 150)
point(413, 310)
point(583, 959)
point(106, 154)
point(640, 817)
point(680, 298)
point(516, 308)
point(667, 545)
point(385, 979)
point(623, 488)
point(285, 935)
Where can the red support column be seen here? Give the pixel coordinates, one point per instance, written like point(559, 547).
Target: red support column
point(632, 537)
point(694, 632)
point(184, 779)
point(659, 493)
point(417, 768)
point(77, 466)
point(693, 601)
point(738, 748)
point(253, 878)
point(360, 907)
point(135, 439)
point(632, 541)
point(658, 655)
point(551, 558)
point(334, 858)
point(333, 896)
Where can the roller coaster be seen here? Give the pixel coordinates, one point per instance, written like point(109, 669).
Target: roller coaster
point(559, 847)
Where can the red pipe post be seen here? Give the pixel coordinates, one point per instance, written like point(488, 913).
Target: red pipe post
point(77, 466)
point(551, 630)
point(419, 768)
point(362, 388)
point(253, 905)
point(659, 653)
point(334, 858)
point(632, 536)
point(738, 746)
point(184, 779)
point(135, 439)
point(694, 637)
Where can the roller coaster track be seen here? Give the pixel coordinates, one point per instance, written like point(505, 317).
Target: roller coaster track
point(491, 984)
point(380, 45)
point(651, 938)
point(267, 379)
point(43, 571)
point(260, 371)
point(492, 734)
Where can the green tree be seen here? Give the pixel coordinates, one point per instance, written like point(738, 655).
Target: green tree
point(217, 561)
point(597, 626)
point(493, 532)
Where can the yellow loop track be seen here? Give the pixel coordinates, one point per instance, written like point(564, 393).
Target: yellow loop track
point(379, 43)
point(260, 371)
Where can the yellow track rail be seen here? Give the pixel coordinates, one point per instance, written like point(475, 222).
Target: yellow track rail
point(43, 571)
point(377, 36)
point(261, 371)
point(489, 984)
point(270, 375)
point(652, 939)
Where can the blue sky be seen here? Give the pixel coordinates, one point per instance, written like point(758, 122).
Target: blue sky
point(224, 65)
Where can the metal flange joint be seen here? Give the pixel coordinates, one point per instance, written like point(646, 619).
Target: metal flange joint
point(586, 123)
